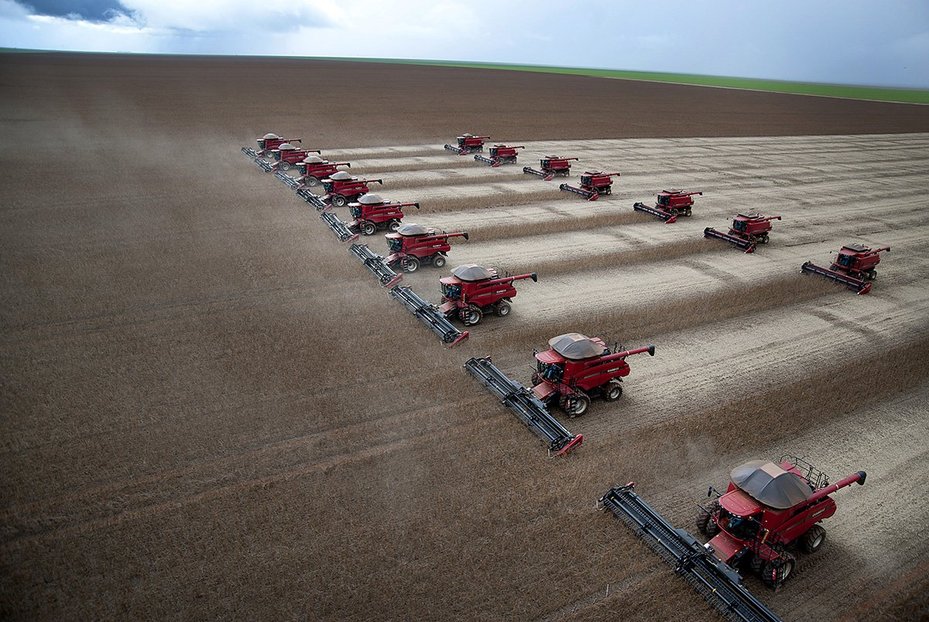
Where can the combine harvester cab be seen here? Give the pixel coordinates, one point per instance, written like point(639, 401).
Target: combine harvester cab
point(766, 509)
point(376, 265)
point(719, 583)
point(593, 184)
point(499, 155)
point(854, 267)
point(412, 245)
point(314, 169)
point(429, 315)
point(549, 166)
point(371, 213)
point(287, 155)
point(468, 143)
point(669, 205)
point(525, 405)
point(472, 291)
point(342, 188)
point(267, 143)
point(576, 367)
point(747, 231)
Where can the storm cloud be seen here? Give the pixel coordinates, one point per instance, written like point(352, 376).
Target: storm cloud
point(94, 11)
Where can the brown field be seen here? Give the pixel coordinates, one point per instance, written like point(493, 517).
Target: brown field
point(211, 410)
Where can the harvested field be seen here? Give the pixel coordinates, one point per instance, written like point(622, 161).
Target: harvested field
point(210, 409)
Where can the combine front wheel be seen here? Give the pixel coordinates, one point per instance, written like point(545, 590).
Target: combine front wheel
point(575, 404)
point(470, 315)
point(778, 570)
point(612, 391)
point(813, 539)
point(410, 263)
point(368, 227)
point(705, 523)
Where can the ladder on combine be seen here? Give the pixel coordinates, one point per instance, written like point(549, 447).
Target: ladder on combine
point(525, 404)
point(719, 584)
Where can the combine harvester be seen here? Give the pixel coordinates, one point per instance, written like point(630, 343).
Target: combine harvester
point(593, 184)
point(371, 213)
point(468, 143)
point(266, 144)
point(499, 155)
point(429, 315)
point(550, 166)
point(412, 245)
point(766, 509)
point(669, 205)
point(376, 265)
point(341, 189)
point(473, 291)
point(747, 231)
point(314, 169)
point(854, 267)
point(525, 404)
point(285, 156)
point(576, 367)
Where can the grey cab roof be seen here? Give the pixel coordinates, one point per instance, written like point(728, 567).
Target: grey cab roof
point(473, 272)
point(285, 146)
point(771, 485)
point(371, 199)
point(270, 135)
point(313, 159)
point(414, 229)
point(576, 346)
point(340, 176)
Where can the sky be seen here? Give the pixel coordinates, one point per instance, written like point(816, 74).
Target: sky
point(871, 42)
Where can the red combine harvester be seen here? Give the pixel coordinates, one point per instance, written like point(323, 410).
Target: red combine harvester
point(342, 188)
point(593, 184)
point(551, 166)
point(500, 154)
point(474, 290)
point(412, 245)
point(747, 231)
point(267, 143)
point(854, 267)
point(768, 508)
point(576, 367)
point(669, 205)
point(468, 143)
point(313, 169)
point(371, 212)
point(286, 155)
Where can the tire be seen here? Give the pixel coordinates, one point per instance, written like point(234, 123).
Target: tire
point(687, 212)
point(438, 261)
point(813, 540)
point(574, 405)
point(612, 391)
point(410, 263)
point(755, 564)
point(338, 200)
point(285, 165)
point(470, 315)
point(503, 308)
point(705, 524)
point(311, 181)
point(368, 227)
point(775, 572)
point(871, 275)
point(393, 225)
point(764, 239)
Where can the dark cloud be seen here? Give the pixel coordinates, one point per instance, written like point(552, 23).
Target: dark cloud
point(89, 10)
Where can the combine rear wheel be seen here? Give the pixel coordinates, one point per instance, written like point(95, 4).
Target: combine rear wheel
point(813, 539)
point(285, 166)
point(575, 404)
point(470, 315)
point(309, 180)
point(438, 261)
point(705, 523)
point(338, 200)
point(410, 263)
point(776, 571)
point(368, 227)
point(503, 308)
point(612, 391)
point(393, 225)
